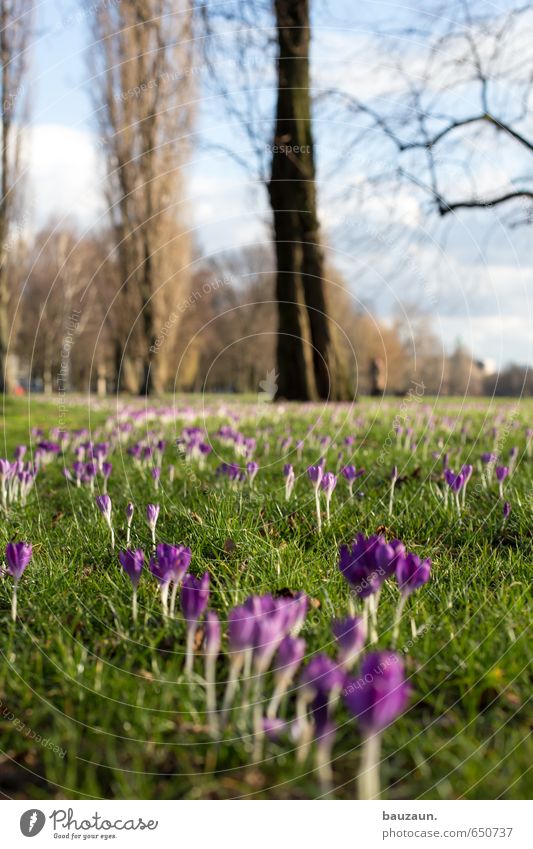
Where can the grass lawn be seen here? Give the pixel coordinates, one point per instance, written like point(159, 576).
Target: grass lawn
point(112, 696)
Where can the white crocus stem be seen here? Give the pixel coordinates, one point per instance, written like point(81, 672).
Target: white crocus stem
point(501, 489)
point(368, 780)
point(259, 733)
point(323, 763)
point(247, 680)
point(398, 619)
point(175, 588)
point(128, 535)
point(391, 498)
point(134, 605)
point(280, 689)
point(231, 688)
point(373, 608)
point(189, 656)
point(210, 693)
point(318, 515)
point(14, 602)
point(458, 503)
point(164, 598)
point(328, 500)
point(306, 729)
point(112, 535)
point(153, 539)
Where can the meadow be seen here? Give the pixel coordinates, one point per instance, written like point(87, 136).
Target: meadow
point(117, 713)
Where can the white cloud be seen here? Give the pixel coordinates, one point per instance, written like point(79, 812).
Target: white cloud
point(62, 166)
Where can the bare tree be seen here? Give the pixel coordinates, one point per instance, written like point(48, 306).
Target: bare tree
point(16, 26)
point(142, 62)
point(459, 98)
point(286, 165)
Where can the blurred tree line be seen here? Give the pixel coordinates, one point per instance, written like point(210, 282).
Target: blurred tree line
point(219, 334)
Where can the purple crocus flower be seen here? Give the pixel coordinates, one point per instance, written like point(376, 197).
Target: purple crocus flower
point(156, 475)
point(152, 515)
point(350, 474)
point(322, 675)
point(241, 625)
point(328, 483)
point(212, 648)
point(360, 564)
point(132, 562)
point(380, 694)
point(501, 474)
point(412, 573)
point(103, 502)
point(252, 469)
point(321, 682)
point(377, 697)
point(455, 482)
point(315, 475)
point(107, 468)
point(194, 598)
point(170, 565)
point(506, 510)
point(290, 478)
point(18, 555)
point(350, 634)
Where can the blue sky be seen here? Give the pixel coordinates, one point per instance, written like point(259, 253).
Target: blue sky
point(480, 271)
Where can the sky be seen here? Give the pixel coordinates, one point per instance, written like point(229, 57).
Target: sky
point(472, 274)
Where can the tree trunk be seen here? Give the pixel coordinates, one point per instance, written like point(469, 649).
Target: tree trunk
point(293, 200)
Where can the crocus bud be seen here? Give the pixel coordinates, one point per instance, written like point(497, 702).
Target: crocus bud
point(18, 555)
point(315, 475)
point(103, 502)
point(252, 469)
point(175, 559)
point(328, 483)
point(152, 514)
point(241, 626)
point(132, 562)
point(412, 573)
point(129, 512)
point(194, 597)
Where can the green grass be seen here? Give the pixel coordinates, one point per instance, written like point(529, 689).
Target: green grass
point(76, 671)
